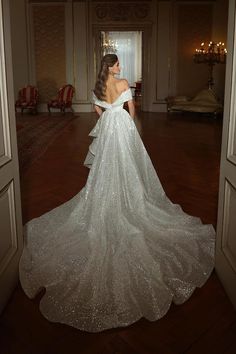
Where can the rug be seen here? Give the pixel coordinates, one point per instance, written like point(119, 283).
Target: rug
point(35, 133)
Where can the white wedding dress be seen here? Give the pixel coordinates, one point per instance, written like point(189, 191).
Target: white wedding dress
point(119, 250)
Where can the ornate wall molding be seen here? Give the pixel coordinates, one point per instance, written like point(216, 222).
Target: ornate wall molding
point(46, 1)
point(121, 12)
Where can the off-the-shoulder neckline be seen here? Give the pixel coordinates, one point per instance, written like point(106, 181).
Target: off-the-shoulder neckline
point(115, 99)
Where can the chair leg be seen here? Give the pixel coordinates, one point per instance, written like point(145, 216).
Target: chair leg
point(22, 110)
point(49, 109)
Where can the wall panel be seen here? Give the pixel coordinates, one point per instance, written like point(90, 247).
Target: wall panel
point(49, 48)
point(194, 27)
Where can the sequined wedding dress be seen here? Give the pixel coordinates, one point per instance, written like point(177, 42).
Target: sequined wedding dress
point(119, 250)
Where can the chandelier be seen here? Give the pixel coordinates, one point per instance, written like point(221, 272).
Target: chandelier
point(108, 45)
point(213, 53)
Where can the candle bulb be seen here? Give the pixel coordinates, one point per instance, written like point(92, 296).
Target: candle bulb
point(214, 53)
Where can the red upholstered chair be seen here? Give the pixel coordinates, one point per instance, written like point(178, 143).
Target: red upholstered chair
point(27, 99)
point(63, 100)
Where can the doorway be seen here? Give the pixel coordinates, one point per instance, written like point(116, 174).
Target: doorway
point(125, 41)
point(127, 45)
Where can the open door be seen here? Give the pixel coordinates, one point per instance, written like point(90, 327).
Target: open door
point(226, 223)
point(10, 206)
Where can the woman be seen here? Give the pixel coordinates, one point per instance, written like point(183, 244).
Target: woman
point(120, 249)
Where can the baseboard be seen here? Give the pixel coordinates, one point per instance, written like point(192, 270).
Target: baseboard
point(77, 107)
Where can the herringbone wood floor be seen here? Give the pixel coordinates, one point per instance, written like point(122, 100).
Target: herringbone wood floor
point(185, 151)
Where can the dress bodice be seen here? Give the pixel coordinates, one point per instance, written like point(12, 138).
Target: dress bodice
point(117, 104)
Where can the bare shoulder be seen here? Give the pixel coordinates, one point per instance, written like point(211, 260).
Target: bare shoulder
point(122, 84)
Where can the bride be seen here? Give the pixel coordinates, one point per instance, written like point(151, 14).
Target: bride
point(119, 250)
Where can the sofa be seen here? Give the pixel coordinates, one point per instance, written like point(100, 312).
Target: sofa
point(204, 102)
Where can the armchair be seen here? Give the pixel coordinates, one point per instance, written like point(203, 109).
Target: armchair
point(27, 99)
point(63, 99)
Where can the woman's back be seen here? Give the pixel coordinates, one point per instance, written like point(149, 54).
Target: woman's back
point(114, 88)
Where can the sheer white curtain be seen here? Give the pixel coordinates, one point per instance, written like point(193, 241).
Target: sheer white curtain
point(129, 52)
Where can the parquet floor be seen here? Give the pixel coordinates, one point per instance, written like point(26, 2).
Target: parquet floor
point(185, 151)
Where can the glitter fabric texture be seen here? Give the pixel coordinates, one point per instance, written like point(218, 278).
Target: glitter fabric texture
point(119, 250)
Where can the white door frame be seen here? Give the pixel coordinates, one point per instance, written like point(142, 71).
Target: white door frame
point(226, 220)
point(11, 239)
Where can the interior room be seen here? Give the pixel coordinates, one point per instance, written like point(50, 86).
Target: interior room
point(175, 55)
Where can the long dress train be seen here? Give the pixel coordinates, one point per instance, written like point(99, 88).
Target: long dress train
point(119, 250)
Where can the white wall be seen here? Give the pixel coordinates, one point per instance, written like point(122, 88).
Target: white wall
point(19, 44)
